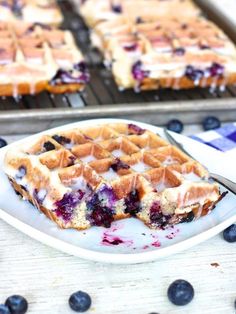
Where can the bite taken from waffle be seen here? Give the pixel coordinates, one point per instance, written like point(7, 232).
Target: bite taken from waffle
point(91, 176)
point(35, 57)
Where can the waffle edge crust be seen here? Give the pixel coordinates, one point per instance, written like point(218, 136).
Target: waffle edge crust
point(87, 177)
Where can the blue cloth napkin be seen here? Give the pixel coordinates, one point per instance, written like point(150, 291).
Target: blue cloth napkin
point(222, 139)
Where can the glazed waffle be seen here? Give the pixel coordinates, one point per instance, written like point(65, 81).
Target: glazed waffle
point(34, 57)
point(31, 11)
point(168, 53)
point(92, 176)
point(95, 11)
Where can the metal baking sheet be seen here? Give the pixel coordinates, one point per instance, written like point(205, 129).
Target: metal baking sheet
point(102, 98)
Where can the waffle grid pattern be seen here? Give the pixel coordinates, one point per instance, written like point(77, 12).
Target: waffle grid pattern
point(166, 52)
point(34, 57)
point(158, 47)
point(92, 176)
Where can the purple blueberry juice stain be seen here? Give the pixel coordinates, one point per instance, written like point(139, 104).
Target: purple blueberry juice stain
point(135, 129)
point(109, 239)
point(156, 244)
point(172, 234)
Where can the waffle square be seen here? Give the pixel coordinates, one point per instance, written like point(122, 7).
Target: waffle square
point(35, 57)
point(92, 176)
point(166, 53)
point(95, 11)
point(31, 11)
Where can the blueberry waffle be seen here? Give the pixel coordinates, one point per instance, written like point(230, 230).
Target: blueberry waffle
point(95, 11)
point(31, 11)
point(92, 176)
point(168, 53)
point(34, 57)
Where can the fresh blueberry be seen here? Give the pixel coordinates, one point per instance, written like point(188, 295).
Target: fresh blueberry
point(2, 142)
point(211, 123)
point(4, 309)
point(229, 234)
point(118, 165)
point(17, 304)
point(180, 292)
point(175, 126)
point(48, 146)
point(61, 139)
point(80, 301)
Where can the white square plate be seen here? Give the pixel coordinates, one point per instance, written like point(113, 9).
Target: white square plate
point(127, 241)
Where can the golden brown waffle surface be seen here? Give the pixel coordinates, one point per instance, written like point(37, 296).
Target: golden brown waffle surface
point(31, 11)
point(35, 57)
point(91, 176)
point(95, 11)
point(168, 53)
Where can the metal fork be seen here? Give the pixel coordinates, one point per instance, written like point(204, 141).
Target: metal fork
point(228, 184)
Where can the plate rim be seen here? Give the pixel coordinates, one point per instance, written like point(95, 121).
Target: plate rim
point(106, 257)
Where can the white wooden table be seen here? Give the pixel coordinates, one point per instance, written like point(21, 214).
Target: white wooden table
point(47, 277)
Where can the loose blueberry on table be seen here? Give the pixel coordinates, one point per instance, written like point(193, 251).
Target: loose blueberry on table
point(211, 123)
point(230, 234)
point(175, 126)
point(80, 301)
point(4, 309)
point(180, 292)
point(2, 142)
point(17, 304)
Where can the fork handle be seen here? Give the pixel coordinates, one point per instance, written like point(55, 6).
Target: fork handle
point(228, 184)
